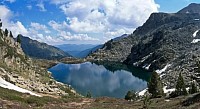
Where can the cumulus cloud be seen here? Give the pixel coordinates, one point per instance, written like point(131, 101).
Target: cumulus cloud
point(41, 6)
point(59, 1)
point(15, 27)
point(11, 1)
point(39, 27)
point(88, 20)
point(106, 16)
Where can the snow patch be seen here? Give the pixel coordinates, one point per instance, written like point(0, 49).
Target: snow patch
point(195, 41)
point(167, 100)
point(141, 93)
point(147, 67)
point(195, 33)
point(162, 70)
point(8, 85)
point(168, 90)
point(143, 59)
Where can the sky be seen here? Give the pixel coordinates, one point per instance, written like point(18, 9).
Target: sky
point(80, 21)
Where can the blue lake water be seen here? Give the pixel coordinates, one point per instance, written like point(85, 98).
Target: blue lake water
point(110, 79)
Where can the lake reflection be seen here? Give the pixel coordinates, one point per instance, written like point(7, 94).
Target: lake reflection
point(97, 79)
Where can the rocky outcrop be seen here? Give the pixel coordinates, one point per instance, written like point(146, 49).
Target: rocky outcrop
point(114, 50)
point(18, 69)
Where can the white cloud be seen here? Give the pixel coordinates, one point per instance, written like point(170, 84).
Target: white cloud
point(11, 1)
point(15, 27)
point(59, 1)
point(39, 27)
point(58, 26)
point(105, 16)
point(88, 20)
point(5, 13)
point(29, 7)
point(84, 26)
point(41, 6)
point(42, 33)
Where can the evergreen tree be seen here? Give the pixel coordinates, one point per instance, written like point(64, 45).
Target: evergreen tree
point(6, 32)
point(180, 86)
point(88, 95)
point(0, 23)
point(131, 95)
point(11, 34)
point(18, 39)
point(193, 88)
point(155, 86)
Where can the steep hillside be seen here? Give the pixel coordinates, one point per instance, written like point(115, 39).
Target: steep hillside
point(18, 69)
point(170, 46)
point(40, 50)
point(114, 50)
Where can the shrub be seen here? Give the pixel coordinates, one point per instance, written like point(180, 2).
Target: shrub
point(131, 95)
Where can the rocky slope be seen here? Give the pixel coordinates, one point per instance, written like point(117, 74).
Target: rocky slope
point(167, 43)
point(170, 47)
point(114, 50)
point(40, 50)
point(18, 69)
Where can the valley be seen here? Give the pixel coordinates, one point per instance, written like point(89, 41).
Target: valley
point(126, 72)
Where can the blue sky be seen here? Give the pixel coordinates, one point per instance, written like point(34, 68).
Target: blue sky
point(80, 21)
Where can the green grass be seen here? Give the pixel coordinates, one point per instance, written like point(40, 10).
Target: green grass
point(12, 95)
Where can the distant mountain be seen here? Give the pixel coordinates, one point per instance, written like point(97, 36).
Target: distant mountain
point(40, 50)
point(79, 51)
point(86, 52)
point(167, 43)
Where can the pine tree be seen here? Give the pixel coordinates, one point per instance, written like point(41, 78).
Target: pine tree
point(0, 23)
point(180, 86)
point(11, 34)
point(131, 95)
point(155, 86)
point(6, 32)
point(88, 95)
point(18, 39)
point(193, 88)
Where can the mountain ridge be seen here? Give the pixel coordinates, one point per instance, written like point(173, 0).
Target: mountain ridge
point(40, 50)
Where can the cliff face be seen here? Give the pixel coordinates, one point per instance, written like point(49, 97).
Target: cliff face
point(17, 68)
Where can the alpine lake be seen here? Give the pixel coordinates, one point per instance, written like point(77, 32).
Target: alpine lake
point(101, 79)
